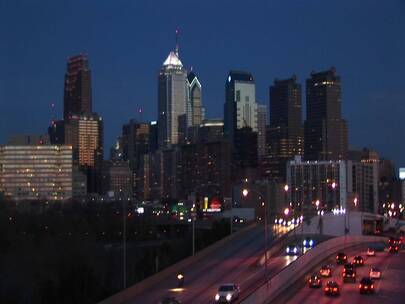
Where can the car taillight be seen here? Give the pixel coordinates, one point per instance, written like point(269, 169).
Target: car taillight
point(360, 286)
point(326, 288)
point(372, 286)
point(335, 289)
point(310, 281)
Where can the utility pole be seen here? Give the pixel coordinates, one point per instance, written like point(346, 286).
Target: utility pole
point(124, 242)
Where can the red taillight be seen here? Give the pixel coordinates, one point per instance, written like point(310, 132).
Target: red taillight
point(360, 286)
point(335, 289)
point(372, 286)
point(310, 281)
point(326, 288)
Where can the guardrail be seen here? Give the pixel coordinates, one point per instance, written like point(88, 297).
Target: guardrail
point(171, 271)
point(280, 282)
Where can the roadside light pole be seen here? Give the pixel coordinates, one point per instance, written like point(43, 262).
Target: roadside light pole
point(245, 193)
point(124, 243)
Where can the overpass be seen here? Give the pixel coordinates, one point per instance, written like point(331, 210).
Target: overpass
point(239, 258)
point(233, 259)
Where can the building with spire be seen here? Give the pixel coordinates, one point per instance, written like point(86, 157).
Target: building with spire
point(195, 111)
point(172, 99)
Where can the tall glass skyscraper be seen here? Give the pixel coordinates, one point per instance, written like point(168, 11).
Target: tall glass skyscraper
point(326, 134)
point(286, 132)
point(240, 109)
point(195, 111)
point(77, 90)
point(172, 99)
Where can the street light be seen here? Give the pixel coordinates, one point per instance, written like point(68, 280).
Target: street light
point(245, 193)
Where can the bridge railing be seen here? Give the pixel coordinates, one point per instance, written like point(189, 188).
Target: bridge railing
point(286, 277)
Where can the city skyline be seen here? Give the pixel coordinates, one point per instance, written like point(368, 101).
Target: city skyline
point(363, 99)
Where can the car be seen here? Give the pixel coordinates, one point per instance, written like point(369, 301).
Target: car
point(308, 243)
point(325, 271)
point(349, 276)
point(393, 249)
point(227, 293)
point(394, 241)
point(169, 300)
point(366, 285)
point(375, 273)
point(293, 249)
point(348, 266)
point(315, 281)
point(341, 258)
point(358, 261)
point(370, 252)
point(332, 288)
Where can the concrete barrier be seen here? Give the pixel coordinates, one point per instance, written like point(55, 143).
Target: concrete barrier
point(171, 271)
point(289, 275)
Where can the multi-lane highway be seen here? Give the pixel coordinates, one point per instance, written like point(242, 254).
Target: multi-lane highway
point(390, 289)
point(236, 262)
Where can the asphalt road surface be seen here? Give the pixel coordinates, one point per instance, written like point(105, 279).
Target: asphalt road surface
point(389, 290)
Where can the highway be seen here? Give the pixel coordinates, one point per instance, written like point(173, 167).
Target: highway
point(389, 290)
point(236, 262)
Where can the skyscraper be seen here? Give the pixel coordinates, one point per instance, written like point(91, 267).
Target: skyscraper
point(326, 135)
point(195, 111)
point(240, 109)
point(172, 98)
point(135, 142)
point(77, 91)
point(85, 134)
point(261, 130)
point(286, 133)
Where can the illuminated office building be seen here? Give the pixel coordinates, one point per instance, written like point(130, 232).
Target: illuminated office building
point(36, 172)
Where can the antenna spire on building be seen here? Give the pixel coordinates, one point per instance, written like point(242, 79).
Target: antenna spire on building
point(177, 42)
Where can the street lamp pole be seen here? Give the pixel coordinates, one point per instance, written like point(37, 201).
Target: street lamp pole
point(124, 243)
point(245, 192)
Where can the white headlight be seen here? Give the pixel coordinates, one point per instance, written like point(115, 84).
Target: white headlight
point(216, 297)
point(304, 242)
point(228, 297)
point(288, 249)
point(311, 243)
point(295, 250)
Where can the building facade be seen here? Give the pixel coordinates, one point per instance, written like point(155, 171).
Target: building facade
point(36, 172)
point(195, 111)
point(172, 99)
point(326, 133)
point(286, 132)
point(77, 90)
point(261, 130)
point(346, 184)
point(240, 109)
point(85, 134)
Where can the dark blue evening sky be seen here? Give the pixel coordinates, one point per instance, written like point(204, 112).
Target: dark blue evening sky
point(127, 41)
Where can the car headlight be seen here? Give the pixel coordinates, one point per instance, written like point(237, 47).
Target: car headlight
point(304, 243)
point(216, 297)
point(295, 250)
point(228, 297)
point(311, 243)
point(287, 250)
